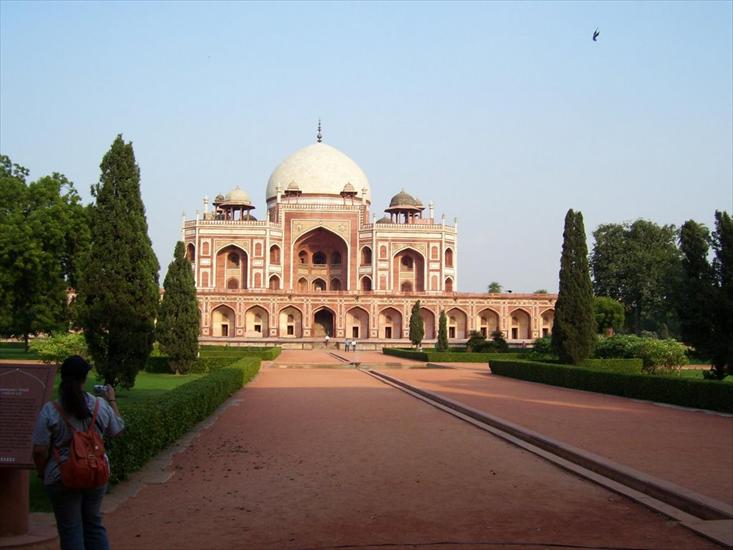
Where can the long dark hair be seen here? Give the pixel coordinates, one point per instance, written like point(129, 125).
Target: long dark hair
point(71, 389)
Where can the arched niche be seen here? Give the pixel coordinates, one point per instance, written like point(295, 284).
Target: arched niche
point(319, 285)
point(487, 322)
point(521, 325)
point(335, 284)
point(449, 284)
point(366, 256)
point(324, 321)
point(290, 323)
point(256, 322)
point(408, 271)
point(548, 319)
point(275, 255)
point(457, 324)
point(390, 324)
point(357, 323)
point(366, 283)
point(191, 252)
point(223, 321)
point(231, 268)
point(448, 257)
point(274, 282)
point(303, 284)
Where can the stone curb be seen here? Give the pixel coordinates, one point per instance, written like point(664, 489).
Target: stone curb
point(681, 498)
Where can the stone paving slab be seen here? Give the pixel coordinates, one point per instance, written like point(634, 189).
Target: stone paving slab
point(693, 449)
point(312, 458)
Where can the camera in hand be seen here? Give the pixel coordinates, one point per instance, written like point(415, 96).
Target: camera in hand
point(100, 389)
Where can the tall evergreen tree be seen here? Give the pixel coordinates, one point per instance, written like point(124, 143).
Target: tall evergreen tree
point(118, 292)
point(573, 333)
point(417, 327)
point(442, 344)
point(43, 234)
point(695, 300)
point(178, 319)
point(722, 352)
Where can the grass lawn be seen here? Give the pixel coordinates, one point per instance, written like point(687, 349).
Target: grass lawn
point(147, 386)
point(15, 350)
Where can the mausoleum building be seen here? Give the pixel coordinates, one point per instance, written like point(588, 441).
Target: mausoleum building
point(318, 262)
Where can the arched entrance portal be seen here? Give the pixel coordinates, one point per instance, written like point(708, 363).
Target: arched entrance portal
point(323, 323)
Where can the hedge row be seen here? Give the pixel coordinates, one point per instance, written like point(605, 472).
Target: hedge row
point(447, 356)
point(202, 365)
point(151, 426)
point(266, 354)
point(629, 366)
point(686, 392)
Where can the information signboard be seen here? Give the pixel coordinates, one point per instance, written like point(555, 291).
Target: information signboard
point(23, 391)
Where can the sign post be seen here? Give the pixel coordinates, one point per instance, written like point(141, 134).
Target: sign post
point(24, 388)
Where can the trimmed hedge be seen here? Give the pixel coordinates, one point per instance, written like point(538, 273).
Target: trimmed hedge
point(686, 392)
point(629, 366)
point(266, 354)
point(153, 425)
point(202, 365)
point(448, 356)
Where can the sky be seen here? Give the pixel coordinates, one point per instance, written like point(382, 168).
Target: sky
point(504, 114)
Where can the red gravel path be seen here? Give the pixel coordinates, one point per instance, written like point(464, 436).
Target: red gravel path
point(693, 449)
point(319, 458)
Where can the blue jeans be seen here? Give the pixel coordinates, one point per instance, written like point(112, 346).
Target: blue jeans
point(78, 517)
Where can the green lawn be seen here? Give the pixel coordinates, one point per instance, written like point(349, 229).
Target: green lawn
point(147, 386)
point(15, 350)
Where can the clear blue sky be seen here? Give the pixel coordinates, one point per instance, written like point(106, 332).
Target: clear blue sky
point(504, 114)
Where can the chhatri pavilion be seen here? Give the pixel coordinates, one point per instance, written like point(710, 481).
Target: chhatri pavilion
point(321, 263)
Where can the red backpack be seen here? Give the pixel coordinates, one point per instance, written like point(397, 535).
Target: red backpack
point(86, 467)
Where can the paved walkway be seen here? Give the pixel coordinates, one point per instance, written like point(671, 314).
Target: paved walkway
point(317, 458)
point(693, 449)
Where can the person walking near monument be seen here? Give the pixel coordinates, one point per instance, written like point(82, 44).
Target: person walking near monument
point(76, 487)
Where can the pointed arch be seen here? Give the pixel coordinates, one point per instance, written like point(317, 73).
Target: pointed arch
point(256, 322)
point(274, 282)
point(548, 320)
point(520, 324)
point(457, 323)
point(487, 321)
point(390, 323)
point(290, 322)
point(408, 266)
point(357, 323)
point(223, 321)
point(321, 244)
point(231, 267)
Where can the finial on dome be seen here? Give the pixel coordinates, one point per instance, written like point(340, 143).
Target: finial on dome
point(319, 136)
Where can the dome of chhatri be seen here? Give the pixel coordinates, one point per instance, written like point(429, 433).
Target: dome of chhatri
point(318, 169)
point(238, 196)
point(404, 199)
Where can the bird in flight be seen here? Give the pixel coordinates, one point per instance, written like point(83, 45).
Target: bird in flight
point(595, 35)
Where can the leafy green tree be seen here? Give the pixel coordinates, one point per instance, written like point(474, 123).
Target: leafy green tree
point(494, 288)
point(118, 292)
point(609, 315)
point(573, 333)
point(540, 291)
point(417, 327)
point(637, 264)
point(177, 330)
point(59, 346)
point(442, 343)
point(43, 236)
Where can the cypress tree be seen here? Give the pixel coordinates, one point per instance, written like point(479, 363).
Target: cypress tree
point(118, 291)
point(417, 328)
point(442, 344)
point(695, 299)
point(722, 352)
point(178, 320)
point(573, 333)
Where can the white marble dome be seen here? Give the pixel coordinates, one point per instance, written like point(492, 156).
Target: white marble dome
point(237, 196)
point(318, 169)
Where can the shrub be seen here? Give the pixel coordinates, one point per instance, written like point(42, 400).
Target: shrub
point(476, 341)
point(631, 366)
point(59, 346)
point(153, 425)
point(685, 392)
point(266, 354)
point(542, 350)
point(202, 365)
point(654, 353)
point(500, 344)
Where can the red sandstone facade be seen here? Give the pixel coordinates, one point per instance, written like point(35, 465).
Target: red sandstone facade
point(318, 265)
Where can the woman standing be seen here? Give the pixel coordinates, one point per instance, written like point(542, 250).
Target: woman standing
point(77, 511)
